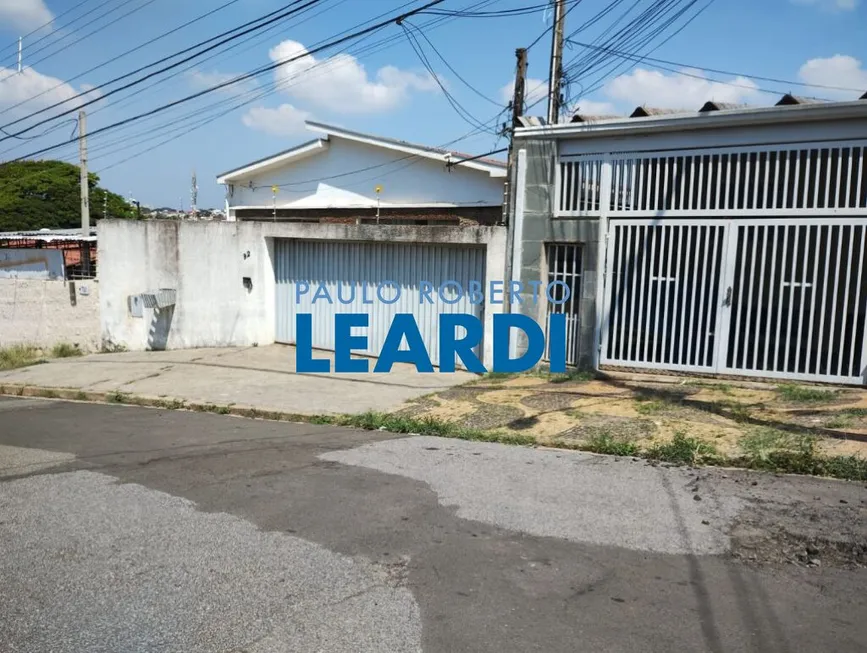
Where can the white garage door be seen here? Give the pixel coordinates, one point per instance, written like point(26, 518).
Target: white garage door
point(362, 266)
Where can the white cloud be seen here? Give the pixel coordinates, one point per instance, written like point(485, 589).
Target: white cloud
point(24, 14)
point(285, 120)
point(341, 84)
point(534, 91)
point(17, 87)
point(202, 79)
point(593, 108)
point(674, 91)
point(834, 5)
point(839, 70)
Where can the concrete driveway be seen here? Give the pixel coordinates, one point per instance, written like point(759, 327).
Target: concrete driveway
point(260, 377)
point(133, 529)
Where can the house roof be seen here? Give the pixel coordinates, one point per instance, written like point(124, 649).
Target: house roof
point(712, 114)
point(493, 167)
point(49, 235)
point(645, 112)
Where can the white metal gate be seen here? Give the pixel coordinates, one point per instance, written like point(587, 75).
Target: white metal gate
point(565, 265)
point(354, 270)
point(771, 298)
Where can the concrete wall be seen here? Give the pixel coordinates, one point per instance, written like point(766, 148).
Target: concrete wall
point(331, 178)
point(41, 312)
point(538, 228)
point(207, 262)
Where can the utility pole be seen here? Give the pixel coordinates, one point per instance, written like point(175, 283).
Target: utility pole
point(194, 196)
point(517, 112)
point(85, 190)
point(20, 39)
point(556, 72)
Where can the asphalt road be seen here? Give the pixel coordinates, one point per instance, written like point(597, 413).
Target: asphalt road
point(134, 530)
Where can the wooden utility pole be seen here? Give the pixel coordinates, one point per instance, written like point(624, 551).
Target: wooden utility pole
point(85, 192)
point(556, 72)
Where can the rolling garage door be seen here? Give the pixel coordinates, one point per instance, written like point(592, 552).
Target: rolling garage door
point(364, 266)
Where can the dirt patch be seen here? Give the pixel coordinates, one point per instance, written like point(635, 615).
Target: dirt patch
point(620, 428)
point(489, 416)
point(547, 401)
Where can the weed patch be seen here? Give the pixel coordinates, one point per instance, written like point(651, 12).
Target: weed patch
point(65, 350)
point(575, 376)
point(18, 356)
point(683, 450)
point(805, 394)
point(608, 444)
point(373, 421)
point(647, 406)
point(115, 397)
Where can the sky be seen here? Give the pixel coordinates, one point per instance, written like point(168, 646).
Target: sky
point(379, 84)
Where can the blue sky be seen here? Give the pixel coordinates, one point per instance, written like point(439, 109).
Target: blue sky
point(385, 89)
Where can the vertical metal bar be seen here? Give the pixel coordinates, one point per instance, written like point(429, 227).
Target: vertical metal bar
point(686, 275)
point(839, 177)
point(807, 164)
point(825, 281)
point(630, 327)
point(659, 309)
point(795, 198)
point(803, 298)
point(657, 167)
point(773, 298)
point(792, 285)
point(765, 189)
point(785, 204)
point(847, 201)
point(776, 181)
point(701, 193)
point(668, 282)
point(831, 334)
point(692, 202)
point(757, 177)
point(573, 315)
point(813, 294)
point(860, 180)
point(748, 340)
point(681, 169)
point(651, 295)
point(851, 230)
point(738, 308)
point(737, 203)
point(747, 163)
point(763, 230)
point(828, 176)
point(666, 204)
point(728, 203)
point(700, 317)
point(858, 283)
point(615, 187)
point(614, 292)
point(638, 349)
point(718, 172)
point(713, 289)
point(782, 290)
point(675, 229)
point(641, 199)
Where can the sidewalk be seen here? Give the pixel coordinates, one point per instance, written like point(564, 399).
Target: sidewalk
point(257, 377)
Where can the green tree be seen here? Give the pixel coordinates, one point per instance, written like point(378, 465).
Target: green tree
point(46, 194)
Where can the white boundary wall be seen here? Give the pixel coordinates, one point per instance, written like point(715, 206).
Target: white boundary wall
point(207, 262)
point(40, 312)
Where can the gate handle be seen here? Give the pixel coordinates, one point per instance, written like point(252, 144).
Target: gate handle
point(728, 300)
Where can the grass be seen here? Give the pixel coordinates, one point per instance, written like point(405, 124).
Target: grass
point(109, 347)
point(805, 394)
point(683, 450)
point(18, 356)
point(65, 350)
point(608, 444)
point(759, 445)
point(581, 376)
point(648, 406)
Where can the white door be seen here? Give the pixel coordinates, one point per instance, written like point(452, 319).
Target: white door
point(359, 268)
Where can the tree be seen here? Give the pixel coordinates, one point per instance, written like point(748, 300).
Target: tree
point(46, 194)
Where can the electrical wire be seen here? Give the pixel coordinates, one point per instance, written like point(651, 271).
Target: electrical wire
point(123, 54)
point(222, 40)
point(251, 75)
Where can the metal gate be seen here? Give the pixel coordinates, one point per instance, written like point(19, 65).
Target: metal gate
point(352, 271)
point(565, 265)
point(770, 298)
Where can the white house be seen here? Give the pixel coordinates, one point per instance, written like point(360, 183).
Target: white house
point(346, 176)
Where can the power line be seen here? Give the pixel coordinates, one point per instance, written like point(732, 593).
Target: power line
point(718, 71)
point(151, 74)
point(46, 24)
point(246, 76)
point(122, 54)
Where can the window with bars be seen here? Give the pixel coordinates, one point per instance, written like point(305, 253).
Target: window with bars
point(810, 178)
